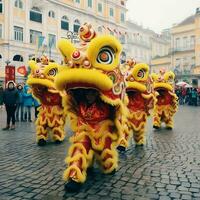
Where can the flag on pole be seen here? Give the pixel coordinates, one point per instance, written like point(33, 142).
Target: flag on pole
point(22, 70)
point(40, 41)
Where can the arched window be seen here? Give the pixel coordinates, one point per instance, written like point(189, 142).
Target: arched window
point(100, 29)
point(1, 6)
point(65, 23)
point(19, 4)
point(51, 14)
point(122, 39)
point(76, 25)
point(36, 15)
point(18, 58)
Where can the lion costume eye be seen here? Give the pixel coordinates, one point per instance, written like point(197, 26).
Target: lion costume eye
point(105, 55)
point(52, 72)
point(141, 73)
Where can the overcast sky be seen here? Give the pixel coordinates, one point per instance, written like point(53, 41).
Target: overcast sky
point(160, 14)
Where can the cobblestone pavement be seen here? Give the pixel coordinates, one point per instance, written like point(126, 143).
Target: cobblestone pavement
point(168, 167)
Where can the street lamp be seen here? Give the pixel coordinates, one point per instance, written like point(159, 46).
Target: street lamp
point(7, 62)
point(72, 36)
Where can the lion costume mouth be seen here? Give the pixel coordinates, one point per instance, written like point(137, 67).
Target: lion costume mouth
point(83, 78)
point(164, 86)
point(136, 86)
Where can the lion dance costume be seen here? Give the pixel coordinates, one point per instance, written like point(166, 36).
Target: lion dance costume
point(51, 113)
point(94, 89)
point(167, 101)
point(140, 101)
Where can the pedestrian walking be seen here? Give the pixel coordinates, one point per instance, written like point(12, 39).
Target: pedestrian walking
point(10, 99)
point(20, 104)
point(28, 102)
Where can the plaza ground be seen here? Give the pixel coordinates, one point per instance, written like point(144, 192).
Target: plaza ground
point(168, 167)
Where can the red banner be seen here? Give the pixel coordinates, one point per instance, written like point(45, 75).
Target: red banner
point(9, 73)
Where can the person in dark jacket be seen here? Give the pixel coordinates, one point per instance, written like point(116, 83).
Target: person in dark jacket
point(20, 104)
point(10, 99)
point(1, 96)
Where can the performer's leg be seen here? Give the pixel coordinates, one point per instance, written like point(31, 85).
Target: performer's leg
point(79, 158)
point(124, 141)
point(139, 137)
point(41, 135)
point(109, 157)
point(169, 122)
point(156, 121)
point(58, 134)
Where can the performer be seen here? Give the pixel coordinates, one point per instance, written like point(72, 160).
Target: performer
point(51, 114)
point(140, 102)
point(167, 101)
point(94, 90)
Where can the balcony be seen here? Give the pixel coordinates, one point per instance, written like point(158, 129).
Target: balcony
point(182, 49)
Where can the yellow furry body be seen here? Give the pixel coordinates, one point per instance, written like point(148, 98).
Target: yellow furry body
point(165, 113)
point(51, 117)
point(97, 136)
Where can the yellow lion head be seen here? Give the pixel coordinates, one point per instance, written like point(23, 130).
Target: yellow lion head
point(41, 80)
point(164, 80)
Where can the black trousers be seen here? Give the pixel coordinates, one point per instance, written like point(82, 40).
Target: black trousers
point(10, 109)
point(36, 111)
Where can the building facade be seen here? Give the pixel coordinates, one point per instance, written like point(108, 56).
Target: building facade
point(22, 22)
point(144, 45)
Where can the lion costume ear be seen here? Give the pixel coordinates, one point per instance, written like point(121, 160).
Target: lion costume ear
point(169, 76)
point(33, 65)
point(66, 48)
point(154, 76)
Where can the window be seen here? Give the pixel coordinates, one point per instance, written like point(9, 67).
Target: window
point(64, 23)
point(100, 29)
point(76, 25)
point(122, 3)
point(19, 4)
point(184, 42)
point(52, 41)
point(1, 6)
point(122, 39)
point(90, 3)
point(122, 17)
point(111, 12)
point(51, 14)
point(18, 58)
point(178, 61)
point(18, 33)
point(36, 15)
point(177, 43)
point(99, 7)
point(1, 31)
point(77, 1)
point(34, 35)
point(192, 41)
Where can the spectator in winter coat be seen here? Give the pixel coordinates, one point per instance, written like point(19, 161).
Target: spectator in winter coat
point(10, 99)
point(28, 101)
point(20, 104)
